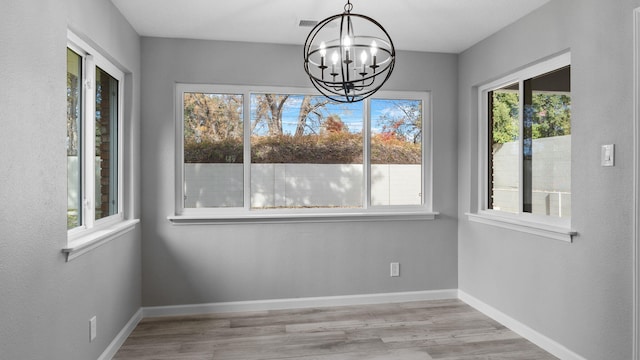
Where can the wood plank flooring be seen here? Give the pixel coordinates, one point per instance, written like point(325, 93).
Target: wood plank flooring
point(441, 329)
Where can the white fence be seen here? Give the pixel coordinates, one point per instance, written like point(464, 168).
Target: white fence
point(73, 183)
point(340, 185)
point(551, 176)
point(300, 185)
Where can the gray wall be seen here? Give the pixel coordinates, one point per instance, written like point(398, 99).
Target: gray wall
point(46, 303)
point(577, 294)
point(216, 263)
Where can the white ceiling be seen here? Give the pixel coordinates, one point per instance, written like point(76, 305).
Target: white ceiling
point(449, 26)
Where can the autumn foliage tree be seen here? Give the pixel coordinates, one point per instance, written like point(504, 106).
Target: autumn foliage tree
point(403, 122)
point(212, 117)
point(213, 131)
point(333, 124)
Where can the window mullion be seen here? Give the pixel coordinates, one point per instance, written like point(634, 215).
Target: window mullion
point(521, 115)
point(366, 158)
point(246, 148)
point(88, 172)
point(484, 165)
point(180, 173)
point(120, 152)
point(427, 152)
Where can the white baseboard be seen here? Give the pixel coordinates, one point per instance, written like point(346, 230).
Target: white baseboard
point(117, 342)
point(280, 304)
point(521, 329)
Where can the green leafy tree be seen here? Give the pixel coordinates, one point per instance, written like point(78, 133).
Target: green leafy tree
point(504, 116)
point(551, 115)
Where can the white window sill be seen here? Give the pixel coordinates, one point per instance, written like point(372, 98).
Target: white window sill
point(87, 242)
point(529, 227)
point(208, 219)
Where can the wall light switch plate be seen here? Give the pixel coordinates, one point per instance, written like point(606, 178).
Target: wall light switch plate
point(395, 269)
point(607, 155)
point(92, 329)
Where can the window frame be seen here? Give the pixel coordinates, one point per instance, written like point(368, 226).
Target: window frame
point(184, 215)
point(542, 225)
point(93, 232)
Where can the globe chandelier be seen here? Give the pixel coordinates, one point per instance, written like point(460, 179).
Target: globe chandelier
point(348, 57)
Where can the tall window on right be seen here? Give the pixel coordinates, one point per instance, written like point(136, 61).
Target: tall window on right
point(528, 166)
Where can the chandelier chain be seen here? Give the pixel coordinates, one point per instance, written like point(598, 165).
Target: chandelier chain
point(348, 7)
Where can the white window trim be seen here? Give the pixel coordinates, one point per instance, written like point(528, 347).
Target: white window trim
point(99, 236)
point(545, 226)
point(187, 216)
point(94, 233)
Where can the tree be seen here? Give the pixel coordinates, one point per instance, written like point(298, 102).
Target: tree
point(212, 117)
point(73, 115)
point(504, 116)
point(308, 108)
point(213, 130)
point(551, 115)
point(269, 110)
point(402, 121)
point(333, 124)
point(548, 115)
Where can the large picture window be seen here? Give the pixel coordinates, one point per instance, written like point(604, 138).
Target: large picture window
point(526, 144)
point(289, 152)
point(94, 155)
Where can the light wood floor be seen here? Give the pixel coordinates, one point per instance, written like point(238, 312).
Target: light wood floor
point(442, 329)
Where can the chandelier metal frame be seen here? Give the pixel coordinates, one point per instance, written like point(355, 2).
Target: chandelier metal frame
point(359, 64)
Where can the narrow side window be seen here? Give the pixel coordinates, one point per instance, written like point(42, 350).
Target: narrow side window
point(94, 144)
point(528, 139)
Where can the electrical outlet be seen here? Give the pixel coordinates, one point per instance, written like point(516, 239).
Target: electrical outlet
point(395, 269)
point(92, 329)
